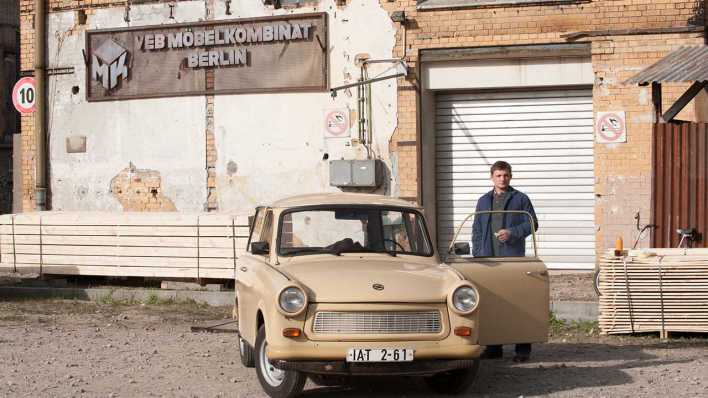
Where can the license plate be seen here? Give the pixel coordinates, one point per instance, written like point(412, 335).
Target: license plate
point(380, 355)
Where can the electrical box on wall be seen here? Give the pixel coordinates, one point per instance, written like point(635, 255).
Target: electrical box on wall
point(355, 173)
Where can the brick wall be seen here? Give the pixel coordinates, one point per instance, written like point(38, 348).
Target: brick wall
point(623, 171)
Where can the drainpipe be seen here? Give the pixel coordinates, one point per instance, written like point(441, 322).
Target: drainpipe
point(40, 115)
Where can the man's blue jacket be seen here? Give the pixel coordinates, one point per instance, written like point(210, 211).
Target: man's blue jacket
point(518, 224)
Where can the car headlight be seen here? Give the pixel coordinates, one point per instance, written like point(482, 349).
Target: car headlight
point(465, 299)
point(292, 300)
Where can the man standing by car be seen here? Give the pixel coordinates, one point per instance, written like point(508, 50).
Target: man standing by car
point(503, 235)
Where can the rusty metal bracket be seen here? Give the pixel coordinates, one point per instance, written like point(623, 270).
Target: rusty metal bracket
point(333, 90)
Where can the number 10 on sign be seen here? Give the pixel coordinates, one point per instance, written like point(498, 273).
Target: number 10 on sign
point(24, 95)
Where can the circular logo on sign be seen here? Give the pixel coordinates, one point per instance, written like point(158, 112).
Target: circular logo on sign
point(336, 123)
point(24, 95)
point(610, 126)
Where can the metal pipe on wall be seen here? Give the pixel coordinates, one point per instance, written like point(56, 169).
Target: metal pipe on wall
point(40, 117)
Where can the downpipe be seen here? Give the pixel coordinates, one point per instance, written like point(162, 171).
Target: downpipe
point(40, 116)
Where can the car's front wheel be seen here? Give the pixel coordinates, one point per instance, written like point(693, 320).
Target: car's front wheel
point(275, 382)
point(453, 381)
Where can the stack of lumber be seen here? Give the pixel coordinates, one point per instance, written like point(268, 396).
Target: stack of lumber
point(655, 290)
point(167, 245)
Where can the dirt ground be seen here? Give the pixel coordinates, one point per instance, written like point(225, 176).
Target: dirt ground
point(577, 286)
point(80, 349)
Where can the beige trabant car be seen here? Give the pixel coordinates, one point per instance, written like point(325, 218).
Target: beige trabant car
point(336, 285)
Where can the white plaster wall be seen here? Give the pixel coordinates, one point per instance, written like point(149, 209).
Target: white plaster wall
point(455, 75)
point(166, 135)
point(275, 142)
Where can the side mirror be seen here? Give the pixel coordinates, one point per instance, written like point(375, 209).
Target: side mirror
point(260, 248)
point(461, 248)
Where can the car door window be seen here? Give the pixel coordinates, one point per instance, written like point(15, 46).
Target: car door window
point(257, 227)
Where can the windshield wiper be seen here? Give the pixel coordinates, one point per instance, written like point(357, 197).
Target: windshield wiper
point(313, 250)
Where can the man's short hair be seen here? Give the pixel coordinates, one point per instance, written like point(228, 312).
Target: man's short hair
point(500, 165)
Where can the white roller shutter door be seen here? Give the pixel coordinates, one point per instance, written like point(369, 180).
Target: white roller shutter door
point(547, 137)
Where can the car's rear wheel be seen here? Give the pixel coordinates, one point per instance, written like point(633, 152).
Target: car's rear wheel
point(246, 353)
point(453, 381)
point(275, 382)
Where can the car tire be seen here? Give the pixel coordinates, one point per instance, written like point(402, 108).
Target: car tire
point(246, 353)
point(453, 381)
point(275, 382)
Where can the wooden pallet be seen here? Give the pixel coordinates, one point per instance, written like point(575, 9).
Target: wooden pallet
point(167, 245)
point(665, 292)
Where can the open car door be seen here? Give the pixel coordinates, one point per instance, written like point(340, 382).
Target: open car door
point(514, 290)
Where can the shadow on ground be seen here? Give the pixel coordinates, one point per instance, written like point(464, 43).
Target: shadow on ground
point(559, 367)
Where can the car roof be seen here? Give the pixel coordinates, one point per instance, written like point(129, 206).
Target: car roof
point(342, 198)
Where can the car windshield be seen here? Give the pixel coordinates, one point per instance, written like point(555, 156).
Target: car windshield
point(341, 230)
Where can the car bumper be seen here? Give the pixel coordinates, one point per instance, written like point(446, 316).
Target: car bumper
point(337, 351)
point(413, 368)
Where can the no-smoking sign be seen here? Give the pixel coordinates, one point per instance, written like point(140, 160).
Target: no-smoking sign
point(336, 123)
point(24, 95)
point(610, 127)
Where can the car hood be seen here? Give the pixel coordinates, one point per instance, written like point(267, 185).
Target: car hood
point(352, 279)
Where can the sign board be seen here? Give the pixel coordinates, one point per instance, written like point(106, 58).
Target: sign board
point(24, 95)
point(336, 123)
point(610, 127)
point(256, 55)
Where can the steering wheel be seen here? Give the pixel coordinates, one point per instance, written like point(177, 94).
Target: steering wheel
point(403, 249)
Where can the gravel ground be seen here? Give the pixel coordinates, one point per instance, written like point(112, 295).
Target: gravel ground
point(79, 349)
point(577, 286)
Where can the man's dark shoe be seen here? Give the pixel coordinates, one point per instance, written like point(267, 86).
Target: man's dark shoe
point(523, 352)
point(492, 352)
point(521, 357)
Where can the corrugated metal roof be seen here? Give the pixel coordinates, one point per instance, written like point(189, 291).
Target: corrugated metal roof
point(687, 64)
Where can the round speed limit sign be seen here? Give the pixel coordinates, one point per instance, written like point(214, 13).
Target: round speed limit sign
point(24, 95)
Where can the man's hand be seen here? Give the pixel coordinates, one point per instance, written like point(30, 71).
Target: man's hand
point(503, 235)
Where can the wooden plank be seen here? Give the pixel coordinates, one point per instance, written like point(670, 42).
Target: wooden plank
point(146, 230)
point(701, 184)
point(125, 251)
point(126, 261)
point(675, 184)
point(684, 202)
point(685, 98)
point(155, 272)
point(691, 175)
point(657, 197)
point(135, 241)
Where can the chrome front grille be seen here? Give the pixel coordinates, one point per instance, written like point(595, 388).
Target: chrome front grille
point(377, 322)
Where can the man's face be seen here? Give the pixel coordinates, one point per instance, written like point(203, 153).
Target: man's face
point(501, 179)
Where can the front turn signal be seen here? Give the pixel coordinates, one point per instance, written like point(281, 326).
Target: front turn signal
point(463, 331)
point(292, 332)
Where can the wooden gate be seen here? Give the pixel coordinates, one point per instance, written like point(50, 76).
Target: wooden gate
point(679, 196)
